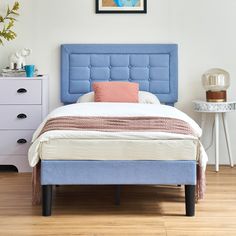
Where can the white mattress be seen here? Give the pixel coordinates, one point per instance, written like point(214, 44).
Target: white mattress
point(101, 149)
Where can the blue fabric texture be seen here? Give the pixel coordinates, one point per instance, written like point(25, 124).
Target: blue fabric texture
point(118, 172)
point(153, 66)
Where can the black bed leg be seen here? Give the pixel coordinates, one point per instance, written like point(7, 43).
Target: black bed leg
point(190, 200)
point(46, 200)
point(118, 190)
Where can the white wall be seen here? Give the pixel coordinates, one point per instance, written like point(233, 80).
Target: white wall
point(204, 30)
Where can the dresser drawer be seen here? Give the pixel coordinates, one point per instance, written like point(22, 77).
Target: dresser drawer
point(14, 142)
point(17, 91)
point(21, 162)
point(20, 116)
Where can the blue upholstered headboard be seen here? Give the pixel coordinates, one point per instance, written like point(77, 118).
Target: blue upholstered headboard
point(153, 66)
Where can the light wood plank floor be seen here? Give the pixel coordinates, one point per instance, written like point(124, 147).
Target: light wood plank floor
point(144, 210)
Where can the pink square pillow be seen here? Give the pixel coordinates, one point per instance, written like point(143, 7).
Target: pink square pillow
point(116, 92)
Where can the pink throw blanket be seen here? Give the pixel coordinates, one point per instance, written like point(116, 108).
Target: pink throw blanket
point(119, 124)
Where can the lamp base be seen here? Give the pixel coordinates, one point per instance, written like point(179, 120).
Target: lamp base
point(216, 96)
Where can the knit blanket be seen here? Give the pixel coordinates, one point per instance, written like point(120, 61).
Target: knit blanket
point(119, 124)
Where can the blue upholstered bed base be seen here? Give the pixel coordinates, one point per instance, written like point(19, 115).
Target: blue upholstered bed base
point(118, 172)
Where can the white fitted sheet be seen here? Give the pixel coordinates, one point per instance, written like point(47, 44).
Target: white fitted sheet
point(98, 149)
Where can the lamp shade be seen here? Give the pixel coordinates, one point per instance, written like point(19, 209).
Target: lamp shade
point(216, 80)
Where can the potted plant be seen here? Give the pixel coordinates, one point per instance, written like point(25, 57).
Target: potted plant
point(7, 23)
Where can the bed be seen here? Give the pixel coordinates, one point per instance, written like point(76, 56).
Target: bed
point(145, 160)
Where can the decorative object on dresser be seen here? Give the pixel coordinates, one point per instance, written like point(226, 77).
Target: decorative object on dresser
point(18, 59)
point(219, 109)
point(29, 70)
point(23, 105)
point(18, 67)
point(216, 82)
point(16, 73)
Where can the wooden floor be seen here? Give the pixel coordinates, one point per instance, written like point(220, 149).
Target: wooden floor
point(144, 210)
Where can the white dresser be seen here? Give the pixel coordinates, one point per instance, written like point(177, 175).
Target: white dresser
point(23, 105)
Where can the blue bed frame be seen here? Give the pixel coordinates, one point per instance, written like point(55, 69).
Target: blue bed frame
point(155, 68)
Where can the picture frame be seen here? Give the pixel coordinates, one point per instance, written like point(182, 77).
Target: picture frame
point(121, 6)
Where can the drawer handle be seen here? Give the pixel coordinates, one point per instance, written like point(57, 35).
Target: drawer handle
point(22, 116)
point(22, 90)
point(22, 141)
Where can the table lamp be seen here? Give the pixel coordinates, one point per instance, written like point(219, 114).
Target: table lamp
point(216, 82)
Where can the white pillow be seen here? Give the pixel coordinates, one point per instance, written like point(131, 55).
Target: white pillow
point(144, 97)
point(148, 98)
point(87, 97)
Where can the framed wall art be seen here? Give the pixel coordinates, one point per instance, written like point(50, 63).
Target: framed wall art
point(121, 6)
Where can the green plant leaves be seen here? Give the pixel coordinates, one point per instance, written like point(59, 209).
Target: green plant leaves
point(7, 23)
point(16, 6)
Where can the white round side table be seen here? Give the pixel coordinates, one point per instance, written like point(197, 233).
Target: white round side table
point(219, 109)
